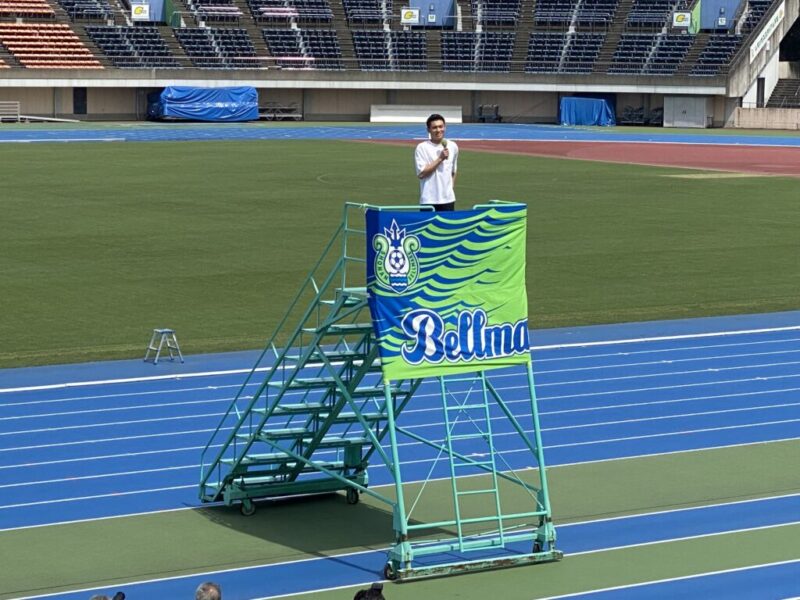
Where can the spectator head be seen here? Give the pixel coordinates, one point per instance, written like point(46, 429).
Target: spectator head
point(208, 591)
point(375, 592)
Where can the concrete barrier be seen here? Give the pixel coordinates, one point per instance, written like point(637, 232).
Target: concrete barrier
point(407, 113)
point(767, 118)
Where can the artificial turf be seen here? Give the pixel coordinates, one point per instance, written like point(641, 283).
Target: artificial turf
point(101, 242)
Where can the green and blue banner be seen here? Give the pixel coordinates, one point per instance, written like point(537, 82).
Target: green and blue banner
point(447, 290)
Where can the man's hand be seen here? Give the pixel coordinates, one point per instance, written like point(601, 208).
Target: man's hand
point(444, 154)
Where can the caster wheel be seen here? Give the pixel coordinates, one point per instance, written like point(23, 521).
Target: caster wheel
point(352, 496)
point(247, 508)
point(389, 572)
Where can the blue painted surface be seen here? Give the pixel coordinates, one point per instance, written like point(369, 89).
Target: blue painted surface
point(770, 582)
point(362, 568)
point(139, 132)
point(104, 450)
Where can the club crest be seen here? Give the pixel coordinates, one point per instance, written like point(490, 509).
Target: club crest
point(396, 262)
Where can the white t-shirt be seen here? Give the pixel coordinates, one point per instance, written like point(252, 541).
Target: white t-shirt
point(438, 187)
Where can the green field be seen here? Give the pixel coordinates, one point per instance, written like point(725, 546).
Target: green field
point(103, 242)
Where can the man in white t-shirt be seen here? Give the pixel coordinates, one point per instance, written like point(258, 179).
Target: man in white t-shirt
point(436, 161)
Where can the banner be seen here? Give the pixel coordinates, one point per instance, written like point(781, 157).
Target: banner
point(682, 20)
point(409, 16)
point(140, 12)
point(447, 290)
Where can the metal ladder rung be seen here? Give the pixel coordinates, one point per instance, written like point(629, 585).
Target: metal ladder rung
point(292, 409)
point(470, 436)
point(465, 407)
point(476, 492)
point(341, 329)
point(284, 434)
point(304, 383)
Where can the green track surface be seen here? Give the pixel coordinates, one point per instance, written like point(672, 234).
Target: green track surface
point(102, 242)
point(112, 552)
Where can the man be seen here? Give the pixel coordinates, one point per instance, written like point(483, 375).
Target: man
point(436, 161)
point(208, 591)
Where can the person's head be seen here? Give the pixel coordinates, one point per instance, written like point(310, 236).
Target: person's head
point(436, 127)
point(208, 591)
point(375, 592)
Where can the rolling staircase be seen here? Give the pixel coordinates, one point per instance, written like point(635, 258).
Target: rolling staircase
point(315, 410)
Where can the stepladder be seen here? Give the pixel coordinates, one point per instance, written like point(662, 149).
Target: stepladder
point(163, 339)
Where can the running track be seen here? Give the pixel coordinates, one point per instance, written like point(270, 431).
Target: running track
point(71, 449)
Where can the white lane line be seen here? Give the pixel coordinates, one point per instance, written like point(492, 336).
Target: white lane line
point(440, 424)
point(667, 338)
point(421, 460)
point(666, 361)
point(230, 398)
point(671, 350)
point(671, 579)
point(208, 430)
point(598, 461)
point(533, 349)
point(540, 385)
point(434, 409)
point(494, 376)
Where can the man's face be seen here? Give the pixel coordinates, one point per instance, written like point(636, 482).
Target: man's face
point(436, 131)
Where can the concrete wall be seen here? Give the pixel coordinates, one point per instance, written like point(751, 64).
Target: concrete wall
point(767, 118)
point(522, 107)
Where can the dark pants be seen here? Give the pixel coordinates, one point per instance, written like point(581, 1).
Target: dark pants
point(444, 207)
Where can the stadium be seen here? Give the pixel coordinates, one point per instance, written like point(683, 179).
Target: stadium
point(580, 384)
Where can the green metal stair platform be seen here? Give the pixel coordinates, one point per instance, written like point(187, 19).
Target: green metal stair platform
point(315, 410)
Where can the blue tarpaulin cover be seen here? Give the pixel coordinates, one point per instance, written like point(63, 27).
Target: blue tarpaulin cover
point(586, 111)
point(204, 104)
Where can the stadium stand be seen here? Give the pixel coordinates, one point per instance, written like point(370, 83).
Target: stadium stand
point(555, 12)
point(87, 10)
point(20, 9)
point(215, 11)
point(544, 52)
point(360, 12)
point(716, 55)
point(133, 47)
point(598, 13)
point(756, 9)
point(497, 12)
point(650, 14)
point(486, 51)
point(220, 48)
point(287, 11)
point(46, 46)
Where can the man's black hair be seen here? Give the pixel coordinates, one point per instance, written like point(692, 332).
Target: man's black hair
point(375, 592)
point(432, 118)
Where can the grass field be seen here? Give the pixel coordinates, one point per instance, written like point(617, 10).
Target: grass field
point(102, 242)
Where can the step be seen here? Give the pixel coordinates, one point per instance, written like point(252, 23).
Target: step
point(271, 458)
point(332, 356)
point(373, 392)
point(350, 417)
point(335, 441)
point(304, 383)
point(342, 329)
point(292, 409)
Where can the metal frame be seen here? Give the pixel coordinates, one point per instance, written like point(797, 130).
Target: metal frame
point(316, 390)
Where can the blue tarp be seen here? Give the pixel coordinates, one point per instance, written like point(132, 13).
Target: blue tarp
point(586, 111)
point(204, 104)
